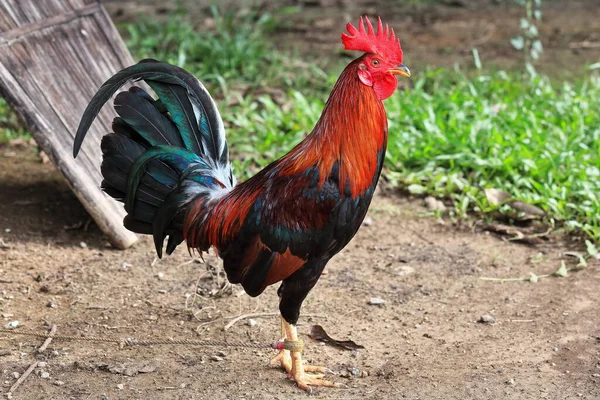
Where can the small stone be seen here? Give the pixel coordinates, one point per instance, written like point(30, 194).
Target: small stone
point(595, 375)
point(12, 325)
point(51, 305)
point(160, 276)
point(364, 373)
point(162, 291)
point(146, 369)
point(510, 382)
point(216, 358)
point(417, 326)
point(486, 319)
point(58, 383)
point(251, 322)
point(44, 375)
point(16, 375)
point(83, 245)
point(222, 353)
point(354, 371)
point(555, 349)
point(125, 266)
point(42, 364)
point(375, 301)
point(120, 386)
point(405, 270)
point(434, 204)
point(368, 221)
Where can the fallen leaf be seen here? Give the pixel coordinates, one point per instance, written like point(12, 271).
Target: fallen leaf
point(318, 333)
point(505, 230)
point(575, 254)
point(517, 234)
point(498, 197)
point(526, 208)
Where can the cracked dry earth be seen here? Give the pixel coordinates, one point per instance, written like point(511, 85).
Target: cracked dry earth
point(423, 343)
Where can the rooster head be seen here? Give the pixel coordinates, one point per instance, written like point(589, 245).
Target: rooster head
point(383, 59)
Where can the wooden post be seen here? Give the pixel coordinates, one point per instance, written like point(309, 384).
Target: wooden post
point(54, 55)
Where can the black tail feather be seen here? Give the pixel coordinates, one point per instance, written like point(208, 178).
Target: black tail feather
point(164, 152)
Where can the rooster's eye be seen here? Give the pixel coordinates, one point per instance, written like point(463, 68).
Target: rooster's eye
point(375, 62)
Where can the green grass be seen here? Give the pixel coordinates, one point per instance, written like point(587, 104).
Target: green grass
point(450, 135)
point(453, 136)
point(10, 125)
point(233, 54)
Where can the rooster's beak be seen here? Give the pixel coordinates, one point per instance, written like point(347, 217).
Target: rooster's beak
point(400, 70)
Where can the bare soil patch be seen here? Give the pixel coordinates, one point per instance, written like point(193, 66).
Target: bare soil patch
point(423, 343)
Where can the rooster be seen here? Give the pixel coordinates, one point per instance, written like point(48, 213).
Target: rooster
point(168, 161)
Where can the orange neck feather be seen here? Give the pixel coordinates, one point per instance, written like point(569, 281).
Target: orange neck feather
point(352, 130)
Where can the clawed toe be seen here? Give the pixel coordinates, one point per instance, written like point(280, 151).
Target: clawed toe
point(306, 381)
point(305, 376)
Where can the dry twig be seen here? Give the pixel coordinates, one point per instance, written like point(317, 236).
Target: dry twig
point(244, 316)
point(254, 315)
point(34, 364)
point(47, 342)
point(23, 377)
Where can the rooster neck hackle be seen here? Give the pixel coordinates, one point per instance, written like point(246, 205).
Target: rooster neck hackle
point(350, 138)
point(351, 132)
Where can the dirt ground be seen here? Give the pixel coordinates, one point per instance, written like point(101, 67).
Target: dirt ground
point(423, 343)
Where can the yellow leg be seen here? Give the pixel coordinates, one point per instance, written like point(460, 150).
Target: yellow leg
point(291, 361)
point(283, 357)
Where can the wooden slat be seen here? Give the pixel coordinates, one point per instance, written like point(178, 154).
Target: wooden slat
point(54, 20)
point(54, 54)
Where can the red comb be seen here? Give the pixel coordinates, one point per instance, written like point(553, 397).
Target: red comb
point(383, 42)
